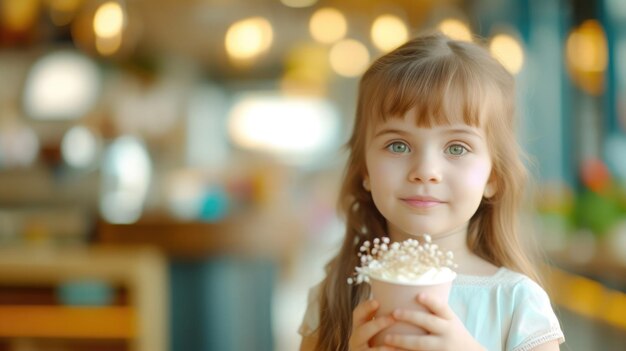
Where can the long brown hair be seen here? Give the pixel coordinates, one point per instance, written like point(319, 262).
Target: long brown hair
point(442, 80)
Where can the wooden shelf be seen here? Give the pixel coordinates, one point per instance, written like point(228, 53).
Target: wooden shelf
point(251, 234)
point(141, 271)
point(117, 322)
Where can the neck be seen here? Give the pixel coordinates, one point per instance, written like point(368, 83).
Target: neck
point(455, 241)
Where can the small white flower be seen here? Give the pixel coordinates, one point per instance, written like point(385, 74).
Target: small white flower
point(408, 258)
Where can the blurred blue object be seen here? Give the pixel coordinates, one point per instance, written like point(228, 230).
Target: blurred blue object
point(222, 303)
point(615, 154)
point(215, 204)
point(85, 293)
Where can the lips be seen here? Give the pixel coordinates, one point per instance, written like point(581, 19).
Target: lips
point(422, 201)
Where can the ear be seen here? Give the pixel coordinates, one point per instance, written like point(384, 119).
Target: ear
point(366, 183)
point(490, 188)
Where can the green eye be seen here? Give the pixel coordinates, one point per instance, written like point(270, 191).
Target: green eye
point(456, 150)
point(398, 147)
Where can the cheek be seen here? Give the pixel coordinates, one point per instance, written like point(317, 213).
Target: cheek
point(380, 170)
point(477, 176)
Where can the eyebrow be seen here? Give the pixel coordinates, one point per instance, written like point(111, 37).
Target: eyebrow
point(463, 131)
point(390, 131)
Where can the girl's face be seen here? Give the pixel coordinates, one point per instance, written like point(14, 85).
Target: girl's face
point(426, 180)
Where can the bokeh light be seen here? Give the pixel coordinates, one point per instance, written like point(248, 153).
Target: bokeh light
point(349, 58)
point(248, 38)
point(80, 147)
point(388, 32)
point(455, 29)
point(508, 51)
point(327, 25)
point(587, 56)
point(109, 20)
point(126, 176)
point(61, 85)
point(298, 3)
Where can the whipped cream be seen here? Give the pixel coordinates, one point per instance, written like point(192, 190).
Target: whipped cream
point(430, 276)
point(405, 263)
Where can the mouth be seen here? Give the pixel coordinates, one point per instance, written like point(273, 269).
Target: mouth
point(422, 201)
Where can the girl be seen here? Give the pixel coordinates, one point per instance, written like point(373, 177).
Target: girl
point(433, 151)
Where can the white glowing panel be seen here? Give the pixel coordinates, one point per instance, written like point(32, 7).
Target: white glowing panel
point(126, 175)
point(61, 85)
point(284, 125)
point(80, 147)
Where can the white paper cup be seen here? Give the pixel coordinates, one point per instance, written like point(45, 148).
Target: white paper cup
point(392, 296)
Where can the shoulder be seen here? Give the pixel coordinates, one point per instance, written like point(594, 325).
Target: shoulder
point(521, 285)
point(533, 321)
point(505, 292)
point(503, 278)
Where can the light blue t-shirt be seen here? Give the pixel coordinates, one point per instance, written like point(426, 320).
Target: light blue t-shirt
point(506, 311)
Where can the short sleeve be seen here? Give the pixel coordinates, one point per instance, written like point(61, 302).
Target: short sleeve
point(533, 321)
point(311, 319)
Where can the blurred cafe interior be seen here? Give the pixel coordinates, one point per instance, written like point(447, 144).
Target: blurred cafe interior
point(169, 169)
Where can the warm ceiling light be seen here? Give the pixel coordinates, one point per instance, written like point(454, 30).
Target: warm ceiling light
point(389, 32)
point(328, 25)
point(248, 38)
point(587, 47)
point(455, 29)
point(298, 3)
point(109, 20)
point(587, 56)
point(349, 58)
point(508, 51)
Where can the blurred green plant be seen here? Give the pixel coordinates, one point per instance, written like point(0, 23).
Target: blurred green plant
point(599, 205)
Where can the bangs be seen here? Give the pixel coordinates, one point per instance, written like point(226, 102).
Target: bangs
point(442, 90)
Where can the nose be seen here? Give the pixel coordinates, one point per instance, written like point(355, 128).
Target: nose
point(425, 168)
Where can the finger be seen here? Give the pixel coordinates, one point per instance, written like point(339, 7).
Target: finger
point(436, 306)
point(432, 323)
point(364, 312)
point(365, 332)
point(414, 342)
